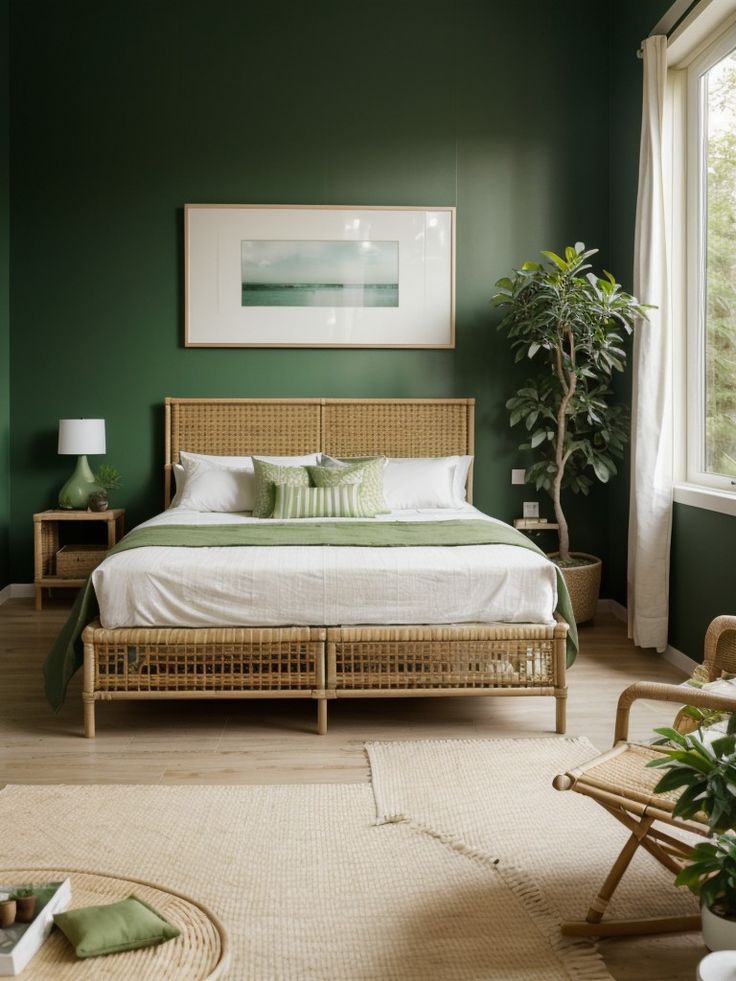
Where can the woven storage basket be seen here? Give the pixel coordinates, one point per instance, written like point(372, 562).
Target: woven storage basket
point(77, 561)
point(583, 584)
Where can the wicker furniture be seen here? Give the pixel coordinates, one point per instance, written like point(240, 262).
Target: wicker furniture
point(200, 953)
point(335, 661)
point(621, 783)
point(76, 567)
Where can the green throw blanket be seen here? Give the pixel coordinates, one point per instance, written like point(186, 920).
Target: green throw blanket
point(66, 656)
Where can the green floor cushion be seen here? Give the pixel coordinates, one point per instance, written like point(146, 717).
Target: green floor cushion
point(113, 928)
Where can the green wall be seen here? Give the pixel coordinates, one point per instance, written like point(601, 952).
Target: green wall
point(4, 303)
point(702, 580)
point(123, 113)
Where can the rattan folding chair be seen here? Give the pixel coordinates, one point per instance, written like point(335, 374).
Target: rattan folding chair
point(621, 783)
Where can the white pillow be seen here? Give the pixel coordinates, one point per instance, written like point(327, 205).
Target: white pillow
point(179, 481)
point(192, 463)
point(461, 465)
point(217, 489)
point(420, 483)
point(245, 462)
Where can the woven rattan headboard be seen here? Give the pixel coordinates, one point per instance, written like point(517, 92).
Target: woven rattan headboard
point(342, 427)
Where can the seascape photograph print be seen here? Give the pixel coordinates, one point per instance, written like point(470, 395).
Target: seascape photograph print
point(319, 273)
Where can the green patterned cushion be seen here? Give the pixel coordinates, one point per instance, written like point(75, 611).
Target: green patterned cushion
point(371, 488)
point(342, 501)
point(267, 475)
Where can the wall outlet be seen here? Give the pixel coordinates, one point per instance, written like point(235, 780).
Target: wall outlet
point(531, 509)
point(518, 476)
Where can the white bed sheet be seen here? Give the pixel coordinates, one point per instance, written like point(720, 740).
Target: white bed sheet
point(323, 586)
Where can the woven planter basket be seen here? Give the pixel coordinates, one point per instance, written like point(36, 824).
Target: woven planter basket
point(583, 584)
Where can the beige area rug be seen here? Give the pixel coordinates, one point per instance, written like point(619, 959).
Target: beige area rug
point(309, 886)
point(494, 799)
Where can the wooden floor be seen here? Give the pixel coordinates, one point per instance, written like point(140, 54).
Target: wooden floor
point(275, 742)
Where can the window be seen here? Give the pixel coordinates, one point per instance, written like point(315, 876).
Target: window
point(711, 261)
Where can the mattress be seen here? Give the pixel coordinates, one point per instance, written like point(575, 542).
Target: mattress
point(322, 585)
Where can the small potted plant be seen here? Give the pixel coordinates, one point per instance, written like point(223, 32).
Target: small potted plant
point(706, 770)
point(107, 478)
point(8, 909)
point(567, 323)
point(25, 900)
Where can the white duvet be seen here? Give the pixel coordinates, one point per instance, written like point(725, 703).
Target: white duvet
point(320, 585)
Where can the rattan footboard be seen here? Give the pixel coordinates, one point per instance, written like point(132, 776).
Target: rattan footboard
point(217, 662)
point(449, 659)
point(324, 663)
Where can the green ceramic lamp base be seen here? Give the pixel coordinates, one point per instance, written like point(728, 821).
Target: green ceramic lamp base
point(74, 495)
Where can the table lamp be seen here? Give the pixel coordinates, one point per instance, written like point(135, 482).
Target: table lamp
point(78, 437)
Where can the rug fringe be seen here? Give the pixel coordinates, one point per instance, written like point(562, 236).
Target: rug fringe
point(580, 958)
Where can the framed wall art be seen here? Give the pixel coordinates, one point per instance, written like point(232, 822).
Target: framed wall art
point(313, 276)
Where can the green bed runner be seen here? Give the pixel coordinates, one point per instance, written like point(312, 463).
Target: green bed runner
point(66, 655)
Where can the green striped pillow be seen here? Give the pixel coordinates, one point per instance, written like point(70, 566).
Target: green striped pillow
point(318, 502)
point(369, 470)
point(267, 476)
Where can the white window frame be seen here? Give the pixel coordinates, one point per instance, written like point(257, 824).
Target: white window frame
point(706, 37)
point(696, 272)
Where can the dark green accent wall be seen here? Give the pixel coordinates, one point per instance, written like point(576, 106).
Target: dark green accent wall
point(123, 113)
point(702, 579)
point(4, 303)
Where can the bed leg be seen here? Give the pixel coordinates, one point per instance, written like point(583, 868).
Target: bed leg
point(561, 710)
point(88, 690)
point(89, 716)
point(322, 716)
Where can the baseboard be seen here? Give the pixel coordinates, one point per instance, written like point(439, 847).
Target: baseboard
point(16, 590)
point(615, 608)
point(679, 660)
point(674, 657)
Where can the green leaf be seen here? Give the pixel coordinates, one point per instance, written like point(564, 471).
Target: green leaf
point(538, 437)
point(558, 260)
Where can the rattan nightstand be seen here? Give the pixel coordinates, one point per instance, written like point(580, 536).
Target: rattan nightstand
point(46, 542)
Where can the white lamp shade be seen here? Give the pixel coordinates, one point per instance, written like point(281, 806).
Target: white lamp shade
point(78, 437)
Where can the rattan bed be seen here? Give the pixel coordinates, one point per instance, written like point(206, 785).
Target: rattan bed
point(335, 661)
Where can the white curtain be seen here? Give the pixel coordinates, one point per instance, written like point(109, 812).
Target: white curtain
point(650, 518)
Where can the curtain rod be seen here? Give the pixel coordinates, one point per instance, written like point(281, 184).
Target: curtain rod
point(670, 20)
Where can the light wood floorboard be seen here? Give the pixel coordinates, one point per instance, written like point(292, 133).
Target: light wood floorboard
point(275, 742)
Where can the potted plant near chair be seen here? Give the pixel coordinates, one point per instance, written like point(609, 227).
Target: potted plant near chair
point(706, 770)
point(568, 323)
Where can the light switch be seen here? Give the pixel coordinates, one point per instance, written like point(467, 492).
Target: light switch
point(518, 476)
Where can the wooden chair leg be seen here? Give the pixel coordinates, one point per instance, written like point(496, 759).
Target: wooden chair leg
point(592, 925)
point(632, 928)
point(600, 903)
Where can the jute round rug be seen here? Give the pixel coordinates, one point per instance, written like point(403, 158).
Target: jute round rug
point(309, 886)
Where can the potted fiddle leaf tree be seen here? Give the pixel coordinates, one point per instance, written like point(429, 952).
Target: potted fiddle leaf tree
point(567, 324)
